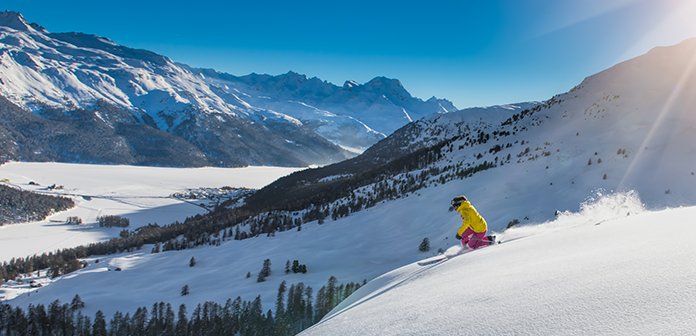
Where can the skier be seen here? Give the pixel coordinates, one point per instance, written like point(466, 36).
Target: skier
point(473, 224)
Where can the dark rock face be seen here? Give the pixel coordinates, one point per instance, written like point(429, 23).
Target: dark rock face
point(109, 135)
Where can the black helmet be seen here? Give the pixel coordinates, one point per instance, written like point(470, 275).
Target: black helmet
point(458, 200)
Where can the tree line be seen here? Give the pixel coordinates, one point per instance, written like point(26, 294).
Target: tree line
point(21, 206)
point(112, 220)
point(295, 311)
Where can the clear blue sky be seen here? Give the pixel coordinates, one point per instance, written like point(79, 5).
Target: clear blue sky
point(474, 53)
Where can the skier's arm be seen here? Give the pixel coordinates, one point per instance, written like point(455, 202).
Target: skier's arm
point(465, 220)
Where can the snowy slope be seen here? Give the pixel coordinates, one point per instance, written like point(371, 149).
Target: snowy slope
point(75, 70)
point(577, 275)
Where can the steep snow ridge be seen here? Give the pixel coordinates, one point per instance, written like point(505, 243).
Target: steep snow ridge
point(443, 126)
point(437, 127)
point(86, 74)
point(17, 22)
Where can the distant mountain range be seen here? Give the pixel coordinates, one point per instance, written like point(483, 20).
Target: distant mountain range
point(76, 97)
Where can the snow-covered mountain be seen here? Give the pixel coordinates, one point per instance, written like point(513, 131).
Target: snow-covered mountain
point(611, 151)
point(353, 115)
point(256, 118)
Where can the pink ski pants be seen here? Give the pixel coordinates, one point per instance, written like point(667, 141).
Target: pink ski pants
point(478, 239)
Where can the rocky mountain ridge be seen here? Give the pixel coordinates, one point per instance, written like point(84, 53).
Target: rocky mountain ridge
point(288, 120)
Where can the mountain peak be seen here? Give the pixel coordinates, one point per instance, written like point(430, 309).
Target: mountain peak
point(294, 75)
point(350, 84)
point(15, 20)
point(382, 81)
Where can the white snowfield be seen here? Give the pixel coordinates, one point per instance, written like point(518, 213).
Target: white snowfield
point(141, 194)
point(578, 275)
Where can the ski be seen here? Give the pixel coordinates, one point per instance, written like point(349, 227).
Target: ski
point(443, 257)
point(433, 260)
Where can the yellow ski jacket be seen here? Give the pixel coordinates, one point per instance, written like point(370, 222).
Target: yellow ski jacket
point(471, 218)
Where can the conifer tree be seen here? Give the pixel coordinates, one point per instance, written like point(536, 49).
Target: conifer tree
point(76, 303)
point(279, 299)
point(99, 326)
point(116, 325)
point(181, 328)
point(139, 321)
point(295, 266)
point(268, 324)
point(290, 306)
point(88, 326)
point(169, 319)
point(265, 271)
point(308, 308)
point(330, 292)
point(424, 245)
point(320, 307)
point(80, 328)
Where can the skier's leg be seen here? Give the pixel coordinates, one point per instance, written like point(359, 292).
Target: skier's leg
point(478, 239)
point(465, 237)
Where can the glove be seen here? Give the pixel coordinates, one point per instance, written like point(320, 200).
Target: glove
point(458, 237)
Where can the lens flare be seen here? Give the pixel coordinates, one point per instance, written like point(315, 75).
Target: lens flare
point(666, 109)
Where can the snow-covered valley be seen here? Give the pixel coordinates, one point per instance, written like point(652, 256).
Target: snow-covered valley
point(141, 194)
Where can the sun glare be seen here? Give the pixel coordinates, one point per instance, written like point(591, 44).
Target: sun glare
point(682, 14)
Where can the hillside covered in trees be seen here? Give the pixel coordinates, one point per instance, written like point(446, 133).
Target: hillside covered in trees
point(297, 308)
point(19, 206)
